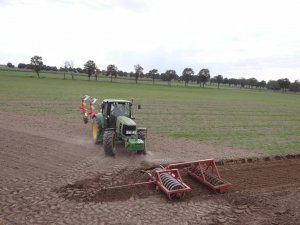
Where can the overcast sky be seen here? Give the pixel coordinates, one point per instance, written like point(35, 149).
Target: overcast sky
point(235, 38)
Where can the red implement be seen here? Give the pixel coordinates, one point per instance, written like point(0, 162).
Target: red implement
point(87, 112)
point(170, 182)
point(206, 172)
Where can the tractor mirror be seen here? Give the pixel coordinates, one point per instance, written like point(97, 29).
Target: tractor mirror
point(139, 106)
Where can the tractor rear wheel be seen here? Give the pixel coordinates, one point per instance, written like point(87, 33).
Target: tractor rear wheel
point(96, 131)
point(109, 142)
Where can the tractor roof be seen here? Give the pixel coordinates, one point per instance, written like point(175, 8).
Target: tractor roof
point(116, 100)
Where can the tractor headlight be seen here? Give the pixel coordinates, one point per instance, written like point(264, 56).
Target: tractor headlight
point(130, 131)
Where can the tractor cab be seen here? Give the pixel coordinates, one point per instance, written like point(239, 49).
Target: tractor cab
point(112, 109)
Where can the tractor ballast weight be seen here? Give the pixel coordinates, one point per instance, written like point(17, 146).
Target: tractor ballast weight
point(114, 125)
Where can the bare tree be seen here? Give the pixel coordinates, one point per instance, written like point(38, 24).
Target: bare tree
point(138, 71)
point(97, 72)
point(71, 67)
point(66, 68)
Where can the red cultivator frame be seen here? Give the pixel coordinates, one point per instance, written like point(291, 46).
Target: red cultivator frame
point(206, 172)
point(170, 182)
point(89, 112)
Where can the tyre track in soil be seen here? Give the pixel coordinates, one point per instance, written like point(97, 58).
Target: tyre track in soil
point(34, 160)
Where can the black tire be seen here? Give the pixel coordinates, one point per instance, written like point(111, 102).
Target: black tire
point(96, 131)
point(142, 135)
point(109, 142)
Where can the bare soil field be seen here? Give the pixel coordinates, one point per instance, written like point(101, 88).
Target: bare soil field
point(52, 173)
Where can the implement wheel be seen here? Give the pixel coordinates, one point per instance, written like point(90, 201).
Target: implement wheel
point(96, 131)
point(109, 142)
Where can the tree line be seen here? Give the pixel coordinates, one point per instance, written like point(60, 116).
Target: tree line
point(188, 75)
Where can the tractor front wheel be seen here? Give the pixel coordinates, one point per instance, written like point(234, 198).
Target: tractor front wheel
point(109, 142)
point(142, 135)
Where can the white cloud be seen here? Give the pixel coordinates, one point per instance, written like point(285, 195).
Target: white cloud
point(232, 37)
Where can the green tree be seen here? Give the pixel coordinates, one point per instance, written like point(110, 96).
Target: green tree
point(273, 85)
point(153, 74)
point(295, 87)
point(252, 82)
point(219, 79)
point(203, 76)
point(22, 66)
point(10, 65)
point(90, 68)
point(120, 73)
point(79, 70)
point(37, 64)
point(187, 74)
point(284, 83)
point(138, 71)
point(225, 80)
point(112, 70)
point(243, 82)
point(262, 84)
point(170, 75)
point(233, 81)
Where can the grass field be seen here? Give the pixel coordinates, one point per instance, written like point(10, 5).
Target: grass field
point(250, 119)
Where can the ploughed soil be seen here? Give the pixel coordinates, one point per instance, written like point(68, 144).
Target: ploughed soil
point(52, 173)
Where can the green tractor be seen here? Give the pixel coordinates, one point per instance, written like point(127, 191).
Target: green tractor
point(114, 125)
